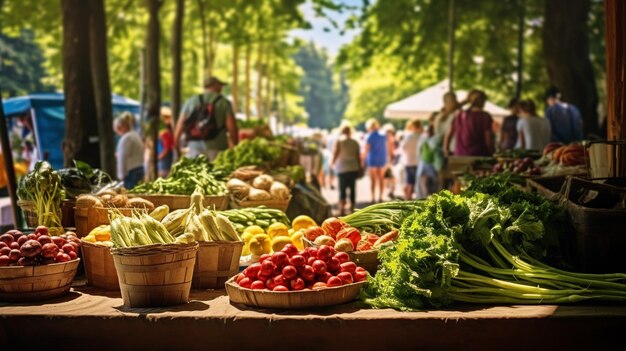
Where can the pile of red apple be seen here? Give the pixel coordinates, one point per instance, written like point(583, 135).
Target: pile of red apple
point(293, 270)
point(38, 248)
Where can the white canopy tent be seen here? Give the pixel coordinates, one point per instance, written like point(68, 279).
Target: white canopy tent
point(424, 103)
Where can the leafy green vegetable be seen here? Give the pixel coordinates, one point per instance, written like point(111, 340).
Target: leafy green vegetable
point(43, 187)
point(250, 152)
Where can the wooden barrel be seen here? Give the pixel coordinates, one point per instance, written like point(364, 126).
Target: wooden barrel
point(216, 262)
point(155, 275)
point(67, 213)
point(37, 283)
point(87, 218)
point(179, 202)
point(99, 266)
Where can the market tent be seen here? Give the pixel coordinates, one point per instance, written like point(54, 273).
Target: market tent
point(48, 118)
point(424, 103)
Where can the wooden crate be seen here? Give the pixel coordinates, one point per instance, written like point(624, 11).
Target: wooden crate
point(37, 283)
point(273, 203)
point(99, 266)
point(216, 262)
point(87, 218)
point(178, 202)
point(155, 275)
point(366, 259)
point(292, 299)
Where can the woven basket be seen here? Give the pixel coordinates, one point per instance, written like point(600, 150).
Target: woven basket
point(216, 262)
point(87, 218)
point(30, 215)
point(99, 266)
point(179, 202)
point(37, 283)
point(155, 275)
point(273, 203)
point(292, 299)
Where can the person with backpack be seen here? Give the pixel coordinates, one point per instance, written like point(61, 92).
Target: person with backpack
point(565, 119)
point(207, 123)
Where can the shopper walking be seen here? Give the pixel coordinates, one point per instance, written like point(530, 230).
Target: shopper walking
point(346, 162)
point(427, 174)
point(409, 148)
point(472, 129)
point(392, 160)
point(165, 143)
point(207, 122)
point(443, 123)
point(508, 131)
point(534, 132)
point(129, 151)
point(376, 158)
point(565, 119)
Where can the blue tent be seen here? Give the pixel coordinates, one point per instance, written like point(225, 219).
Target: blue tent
point(48, 117)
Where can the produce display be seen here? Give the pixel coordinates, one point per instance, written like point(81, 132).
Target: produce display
point(291, 269)
point(249, 152)
point(261, 216)
point(490, 247)
point(562, 159)
point(82, 179)
point(345, 238)
point(523, 166)
point(113, 198)
point(252, 185)
point(142, 229)
point(383, 217)
point(278, 235)
point(38, 248)
point(186, 175)
point(43, 187)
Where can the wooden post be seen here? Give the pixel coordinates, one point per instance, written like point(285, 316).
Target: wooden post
point(8, 166)
point(615, 37)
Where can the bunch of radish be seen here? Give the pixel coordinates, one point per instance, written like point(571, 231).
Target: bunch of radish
point(38, 248)
point(292, 270)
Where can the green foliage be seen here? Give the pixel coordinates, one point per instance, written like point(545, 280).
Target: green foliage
point(21, 65)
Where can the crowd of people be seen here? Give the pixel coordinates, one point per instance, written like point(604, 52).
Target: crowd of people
point(416, 156)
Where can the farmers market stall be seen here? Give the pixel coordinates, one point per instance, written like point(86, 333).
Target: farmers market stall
point(100, 320)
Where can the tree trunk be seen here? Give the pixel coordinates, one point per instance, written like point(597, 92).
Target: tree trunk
point(211, 52)
point(259, 82)
point(246, 84)
point(102, 85)
point(153, 78)
point(177, 43)
point(235, 85)
point(268, 84)
point(615, 34)
point(205, 52)
point(81, 125)
point(566, 51)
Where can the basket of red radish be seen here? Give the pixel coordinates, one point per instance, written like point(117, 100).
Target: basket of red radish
point(36, 266)
point(292, 279)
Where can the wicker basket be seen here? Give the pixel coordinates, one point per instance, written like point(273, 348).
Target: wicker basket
point(87, 218)
point(99, 266)
point(216, 262)
point(292, 299)
point(37, 283)
point(30, 215)
point(273, 203)
point(366, 259)
point(155, 275)
point(178, 202)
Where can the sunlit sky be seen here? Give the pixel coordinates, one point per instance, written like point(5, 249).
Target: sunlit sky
point(332, 39)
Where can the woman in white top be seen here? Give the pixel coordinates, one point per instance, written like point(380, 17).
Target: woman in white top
point(347, 162)
point(129, 151)
point(533, 132)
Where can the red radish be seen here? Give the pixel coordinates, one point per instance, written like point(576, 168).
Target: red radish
point(252, 270)
point(239, 277)
point(312, 251)
point(44, 239)
point(333, 265)
point(346, 277)
point(31, 248)
point(308, 273)
point(257, 285)
point(297, 260)
point(15, 233)
point(289, 272)
point(49, 250)
point(42, 230)
point(245, 282)
point(311, 260)
point(15, 255)
point(325, 252)
point(334, 281)
point(280, 259)
point(73, 255)
point(268, 267)
point(270, 284)
point(7, 239)
point(264, 257)
point(32, 236)
point(360, 276)
point(297, 284)
point(280, 288)
point(280, 280)
point(342, 257)
point(68, 247)
point(15, 245)
point(5, 251)
point(2, 244)
point(4, 260)
point(324, 277)
point(22, 239)
point(360, 269)
point(262, 276)
point(63, 257)
point(348, 267)
point(58, 240)
point(290, 250)
point(319, 285)
point(305, 254)
point(319, 266)
point(27, 261)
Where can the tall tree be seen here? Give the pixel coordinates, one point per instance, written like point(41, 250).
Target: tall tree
point(247, 80)
point(81, 126)
point(177, 43)
point(21, 65)
point(153, 81)
point(101, 84)
point(566, 52)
